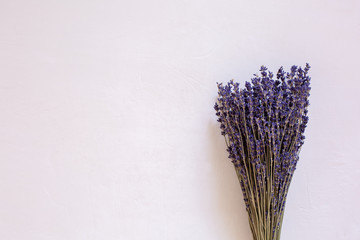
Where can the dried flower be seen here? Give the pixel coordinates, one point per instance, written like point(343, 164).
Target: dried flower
point(263, 125)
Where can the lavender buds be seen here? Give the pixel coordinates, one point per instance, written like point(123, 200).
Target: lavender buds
point(263, 125)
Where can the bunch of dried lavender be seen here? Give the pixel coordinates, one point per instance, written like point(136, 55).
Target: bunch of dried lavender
point(263, 125)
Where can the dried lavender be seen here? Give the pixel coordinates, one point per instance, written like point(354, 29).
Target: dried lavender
point(263, 125)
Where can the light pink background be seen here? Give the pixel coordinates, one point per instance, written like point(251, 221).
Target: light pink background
point(107, 127)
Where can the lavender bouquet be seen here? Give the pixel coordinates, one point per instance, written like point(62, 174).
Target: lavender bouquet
point(263, 125)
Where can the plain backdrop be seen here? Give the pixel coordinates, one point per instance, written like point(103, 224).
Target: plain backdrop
point(107, 127)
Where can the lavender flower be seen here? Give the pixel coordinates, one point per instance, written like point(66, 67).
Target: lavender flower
point(263, 125)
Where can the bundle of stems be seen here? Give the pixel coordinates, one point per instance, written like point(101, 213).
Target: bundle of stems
point(263, 125)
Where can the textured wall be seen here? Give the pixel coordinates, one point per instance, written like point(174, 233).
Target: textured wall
point(108, 129)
